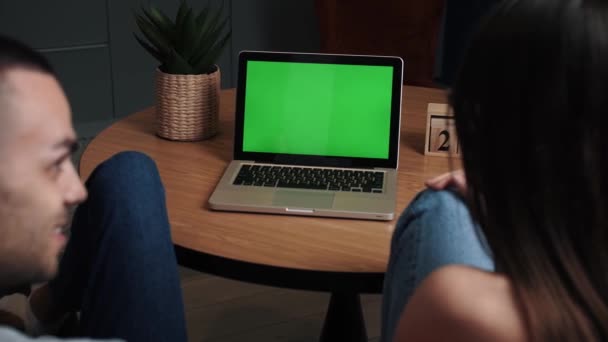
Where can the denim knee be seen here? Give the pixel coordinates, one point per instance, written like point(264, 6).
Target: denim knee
point(127, 186)
point(130, 158)
point(428, 200)
point(124, 176)
point(445, 231)
point(444, 200)
point(127, 166)
point(127, 195)
point(435, 230)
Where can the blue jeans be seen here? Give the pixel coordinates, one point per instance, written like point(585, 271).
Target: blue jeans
point(119, 268)
point(435, 230)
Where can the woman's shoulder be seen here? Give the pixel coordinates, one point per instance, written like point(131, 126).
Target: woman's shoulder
point(460, 303)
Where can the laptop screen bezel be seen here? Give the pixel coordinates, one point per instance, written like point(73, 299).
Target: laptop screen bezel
point(298, 159)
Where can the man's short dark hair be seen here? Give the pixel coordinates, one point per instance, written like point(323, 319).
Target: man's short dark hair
point(14, 53)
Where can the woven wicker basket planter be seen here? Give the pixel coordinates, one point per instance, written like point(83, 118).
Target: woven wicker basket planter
point(187, 106)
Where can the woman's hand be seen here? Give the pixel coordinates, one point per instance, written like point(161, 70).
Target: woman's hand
point(455, 179)
point(8, 318)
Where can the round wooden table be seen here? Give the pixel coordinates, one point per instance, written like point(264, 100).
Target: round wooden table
point(342, 256)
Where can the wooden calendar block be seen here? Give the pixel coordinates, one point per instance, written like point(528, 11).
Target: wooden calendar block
point(440, 137)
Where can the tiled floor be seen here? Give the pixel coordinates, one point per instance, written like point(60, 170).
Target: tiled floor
point(229, 311)
point(225, 310)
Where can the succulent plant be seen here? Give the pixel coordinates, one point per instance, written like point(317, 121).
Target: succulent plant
point(190, 45)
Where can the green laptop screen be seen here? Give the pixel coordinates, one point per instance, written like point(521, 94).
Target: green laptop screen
point(318, 109)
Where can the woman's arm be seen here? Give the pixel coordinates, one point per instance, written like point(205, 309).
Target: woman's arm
point(460, 303)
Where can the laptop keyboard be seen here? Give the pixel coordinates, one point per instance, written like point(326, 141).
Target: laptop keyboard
point(310, 178)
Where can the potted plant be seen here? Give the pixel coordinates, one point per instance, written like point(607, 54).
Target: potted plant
point(188, 78)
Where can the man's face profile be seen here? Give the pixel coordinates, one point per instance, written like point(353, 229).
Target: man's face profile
point(38, 182)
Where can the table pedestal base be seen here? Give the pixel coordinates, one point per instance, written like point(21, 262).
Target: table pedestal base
point(344, 320)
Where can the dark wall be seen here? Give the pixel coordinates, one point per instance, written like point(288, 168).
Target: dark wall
point(107, 75)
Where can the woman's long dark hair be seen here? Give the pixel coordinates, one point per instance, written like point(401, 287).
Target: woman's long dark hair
point(531, 107)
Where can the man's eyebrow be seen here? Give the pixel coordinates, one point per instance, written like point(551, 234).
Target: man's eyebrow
point(70, 143)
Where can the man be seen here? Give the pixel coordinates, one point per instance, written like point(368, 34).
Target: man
point(118, 268)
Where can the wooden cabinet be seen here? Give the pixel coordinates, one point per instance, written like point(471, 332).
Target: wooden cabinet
point(405, 28)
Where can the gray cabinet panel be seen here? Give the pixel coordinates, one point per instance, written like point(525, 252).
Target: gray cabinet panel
point(108, 75)
point(85, 76)
point(58, 23)
point(273, 25)
point(133, 69)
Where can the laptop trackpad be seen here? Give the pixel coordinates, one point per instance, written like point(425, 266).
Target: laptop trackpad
point(302, 199)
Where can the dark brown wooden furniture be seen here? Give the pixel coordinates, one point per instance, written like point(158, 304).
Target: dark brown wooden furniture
point(405, 28)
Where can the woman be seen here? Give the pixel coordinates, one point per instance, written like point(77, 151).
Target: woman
point(530, 104)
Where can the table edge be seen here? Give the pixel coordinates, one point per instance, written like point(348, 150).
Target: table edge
point(293, 278)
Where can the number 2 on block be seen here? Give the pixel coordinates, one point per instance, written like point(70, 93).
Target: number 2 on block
point(445, 145)
point(441, 138)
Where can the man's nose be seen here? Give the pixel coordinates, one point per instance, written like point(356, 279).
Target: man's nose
point(76, 192)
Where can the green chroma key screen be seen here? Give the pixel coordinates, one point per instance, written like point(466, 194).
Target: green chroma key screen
point(318, 109)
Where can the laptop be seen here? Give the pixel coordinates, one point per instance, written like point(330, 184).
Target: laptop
point(315, 134)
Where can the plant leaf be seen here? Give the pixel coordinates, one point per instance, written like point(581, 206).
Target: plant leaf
point(181, 13)
point(205, 64)
point(213, 24)
point(158, 18)
point(177, 65)
point(206, 42)
point(181, 31)
point(189, 35)
point(152, 34)
point(200, 45)
point(210, 35)
point(151, 50)
point(191, 44)
point(202, 23)
point(201, 18)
